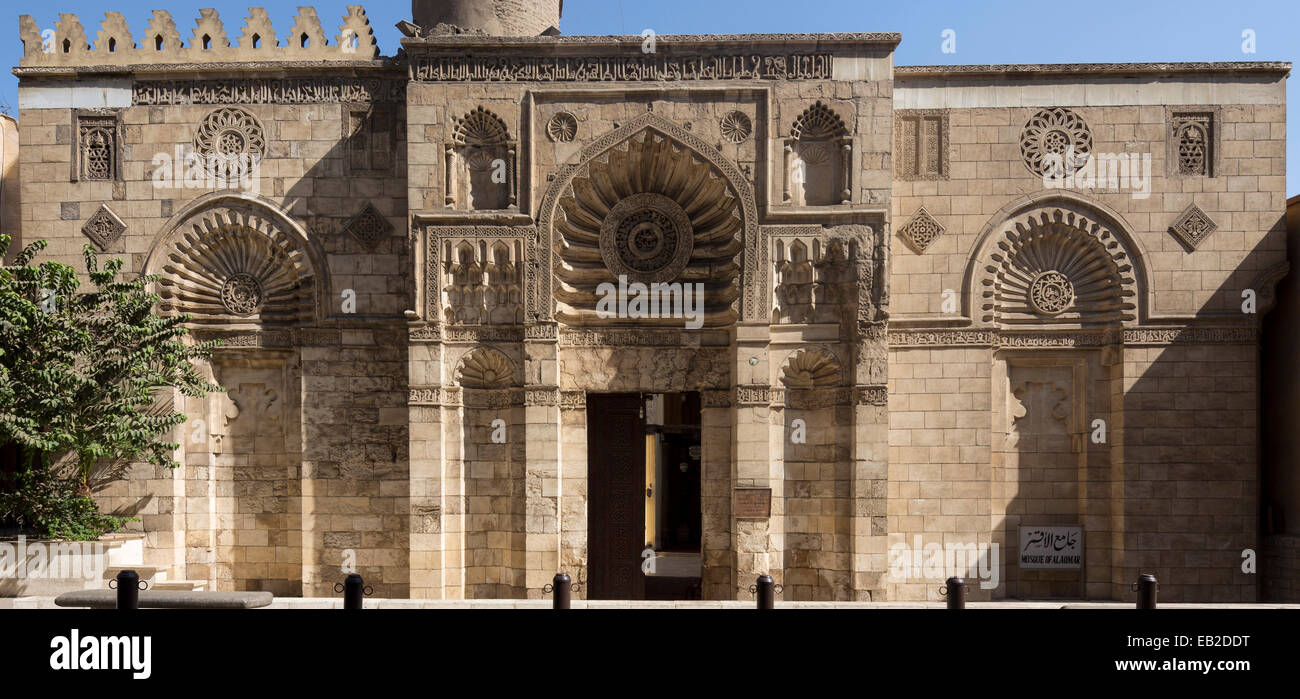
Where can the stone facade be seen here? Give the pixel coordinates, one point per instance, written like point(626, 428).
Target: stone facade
point(409, 283)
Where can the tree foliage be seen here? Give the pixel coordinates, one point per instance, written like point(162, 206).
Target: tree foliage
point(85, 377)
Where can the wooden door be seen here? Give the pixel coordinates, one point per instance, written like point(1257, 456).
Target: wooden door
point(615, 496)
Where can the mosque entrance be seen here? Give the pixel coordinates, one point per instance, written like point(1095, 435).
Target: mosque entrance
point(643, 475)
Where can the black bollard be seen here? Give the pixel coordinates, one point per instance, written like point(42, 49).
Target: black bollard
point(562, 590)
point(353, 591)
point(955, 589)
point(128, 590)
point(1146, 589)
point(765, 592)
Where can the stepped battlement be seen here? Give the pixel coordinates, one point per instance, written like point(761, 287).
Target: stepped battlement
point(67, 44)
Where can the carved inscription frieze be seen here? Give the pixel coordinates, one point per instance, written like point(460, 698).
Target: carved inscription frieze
point(813, 66)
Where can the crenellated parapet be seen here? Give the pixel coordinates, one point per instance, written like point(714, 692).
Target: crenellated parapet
point(68, 43)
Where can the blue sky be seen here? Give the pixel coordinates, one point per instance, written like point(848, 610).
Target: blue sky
point(986, 32)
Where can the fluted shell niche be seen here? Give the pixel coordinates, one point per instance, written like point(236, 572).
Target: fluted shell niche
point(229, 267)
point(652, 211)
point(1058, 266)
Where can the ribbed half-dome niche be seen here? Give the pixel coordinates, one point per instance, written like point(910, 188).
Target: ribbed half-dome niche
point(1058, 266)
point(654, 211)
point(233, 267)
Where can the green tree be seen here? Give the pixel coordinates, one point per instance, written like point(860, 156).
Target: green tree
point(81, 377)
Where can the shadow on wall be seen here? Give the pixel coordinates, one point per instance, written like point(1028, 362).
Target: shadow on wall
point(1280, 405)
point(1172, 487)
point(305, 464)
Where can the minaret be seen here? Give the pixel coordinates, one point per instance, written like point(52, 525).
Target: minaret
point(494, 17)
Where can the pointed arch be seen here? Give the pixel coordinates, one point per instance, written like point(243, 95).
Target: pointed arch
point(1057, 227)
point(233, 258)
point(646, 126)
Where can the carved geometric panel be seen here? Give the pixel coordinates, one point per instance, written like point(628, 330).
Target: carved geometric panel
point(921, 144)
point(104, 227)
point(1193, 143)
point(97, 152)
point(369, 226)
point(1052, 136)
point(921, 230)
point(1193, 226)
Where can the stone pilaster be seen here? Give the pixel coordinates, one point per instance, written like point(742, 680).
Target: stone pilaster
point(542, 475)
point(758, 542)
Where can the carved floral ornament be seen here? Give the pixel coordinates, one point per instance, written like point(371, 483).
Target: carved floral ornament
point(1193, 226)
point(230, 138)
point(562, 127)
point(736, 127)
point(1057, 132)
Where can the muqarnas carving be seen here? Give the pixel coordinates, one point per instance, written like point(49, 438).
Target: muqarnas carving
point(814, 281)
point(480, 164)
point(650, 210)
point(97, 151)
point(231, 141)
point(1055, 140)
point(818, 160)
point(235, 266)
point(1058, 266)
point(483, 282)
